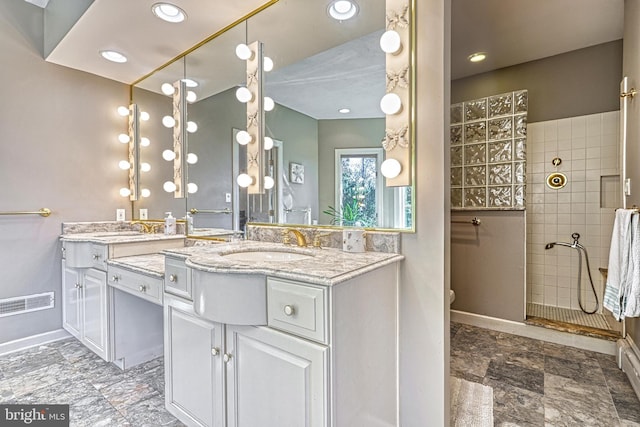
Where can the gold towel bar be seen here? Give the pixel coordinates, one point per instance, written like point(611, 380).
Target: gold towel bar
point(213, 211)
point(45, 212)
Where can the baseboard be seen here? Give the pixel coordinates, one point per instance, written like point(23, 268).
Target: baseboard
point(535, 332)
point(628, 358)
point(32, 341)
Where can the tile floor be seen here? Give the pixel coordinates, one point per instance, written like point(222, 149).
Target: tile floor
point(99, 394)
point(536, 383)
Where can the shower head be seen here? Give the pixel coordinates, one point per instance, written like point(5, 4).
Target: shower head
point(549, 245)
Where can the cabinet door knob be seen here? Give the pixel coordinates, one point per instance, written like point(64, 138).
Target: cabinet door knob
point(142, 288)
point(289, 310)
point(115, 278)
point(226, 358)
point(215, 351)
point(96, 256)
point(173, 278)
point(78, 286)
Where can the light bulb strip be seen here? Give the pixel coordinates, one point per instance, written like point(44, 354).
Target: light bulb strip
point(255, 119)
point(180, 138)
point(134, 151)
point(398, 139)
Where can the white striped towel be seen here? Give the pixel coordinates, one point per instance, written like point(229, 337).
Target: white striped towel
point(631, 296)
point(619, 259)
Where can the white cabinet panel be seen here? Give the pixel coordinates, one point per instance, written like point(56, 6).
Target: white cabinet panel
point(71, 294)
point(94, 311)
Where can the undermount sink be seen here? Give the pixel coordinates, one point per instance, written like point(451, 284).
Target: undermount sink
point(266, 256)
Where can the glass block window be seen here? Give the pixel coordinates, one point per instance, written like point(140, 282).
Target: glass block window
point(488, 139)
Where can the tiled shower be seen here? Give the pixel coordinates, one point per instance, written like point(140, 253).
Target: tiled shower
point(588, 149)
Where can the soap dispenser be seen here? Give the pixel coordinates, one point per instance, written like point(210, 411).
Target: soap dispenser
point(169, 224)
point(188, 219)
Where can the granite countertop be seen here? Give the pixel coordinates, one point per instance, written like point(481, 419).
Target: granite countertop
point(117, 237)
point(151, 265)
point(323, 267)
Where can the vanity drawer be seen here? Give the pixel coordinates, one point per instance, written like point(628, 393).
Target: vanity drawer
point(297, 308)
point(99, 256)
point(177, 280)
point(138, 284)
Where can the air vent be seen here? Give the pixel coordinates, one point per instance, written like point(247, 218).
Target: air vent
point(26, 304)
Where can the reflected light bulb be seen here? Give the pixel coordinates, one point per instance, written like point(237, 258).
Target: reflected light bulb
point(145, 192)
point(125, 192)
point(243, 137)
point(268, 103)
point(192, 159)
point(168, 121)
point(144, 141)
point(145, 167)
point(169, 187)
point(192, 127)
point(124, 165)
point(191, 96)
point(123, 111)
point(267, 64)
point(268, 182)
point(124, 138)
point(268, 143)
point(192, 188)
point(390, 168)
point(144, 116)
point(243, 52)
point(167, 89)
point(244, 95)
point(168, 155)
point(390, 42)
point(244, 180)
point(190, 82)
point(390, 104)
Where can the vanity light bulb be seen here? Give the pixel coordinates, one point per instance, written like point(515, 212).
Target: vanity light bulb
point(168, 121)
point(391, 104)
point(123, 111)
point(124, 165)
point(244, 180)
point(167, 89)
point(168, 155)
point(244, 95)
point(125, 192)
point(390, 168)
point(192, 127)
point(145, 192)
point(267, 64)
point(192, 159)
point(144, 116)
point(191, 96)
point(145, 142)
point(268, 104)
point(268, 143)
point(124, 138)
point(244, 52)
point(169, 187)
point(268, 182)
point(390, 42)
point(243, 137)
point(192, 188)
point(145, 167)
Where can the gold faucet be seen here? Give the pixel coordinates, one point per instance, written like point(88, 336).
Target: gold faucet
point(147, 228)
point(317, 239)
point(300, 239)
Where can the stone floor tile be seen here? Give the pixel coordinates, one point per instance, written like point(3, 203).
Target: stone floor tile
point(502, 372)
point(585, 372)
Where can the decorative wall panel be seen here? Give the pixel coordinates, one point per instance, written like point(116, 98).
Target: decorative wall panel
point(488, 152)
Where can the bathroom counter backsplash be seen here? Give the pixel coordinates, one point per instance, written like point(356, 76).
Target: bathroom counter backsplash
point(113, 227)
point(375, 241)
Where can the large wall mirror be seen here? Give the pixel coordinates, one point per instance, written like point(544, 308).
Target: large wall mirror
point(327, 126)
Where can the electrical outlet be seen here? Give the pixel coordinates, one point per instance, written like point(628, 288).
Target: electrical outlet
point(227, 197)
point(120, 215)
point(144, 214)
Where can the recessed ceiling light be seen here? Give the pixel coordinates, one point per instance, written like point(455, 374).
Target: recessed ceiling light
point(113, 56)
point(477, 57)
point(168, 12)
point(342, 9)
point(344, 110)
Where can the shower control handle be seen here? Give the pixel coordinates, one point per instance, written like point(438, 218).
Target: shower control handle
point(575, 236)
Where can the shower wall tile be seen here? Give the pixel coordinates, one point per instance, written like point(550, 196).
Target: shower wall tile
point(588, 147)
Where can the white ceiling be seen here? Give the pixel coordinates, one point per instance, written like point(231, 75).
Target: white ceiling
point(510, 31)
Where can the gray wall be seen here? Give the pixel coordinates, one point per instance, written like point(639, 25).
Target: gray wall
point(344, 133)
point(59, 132)
point(576, 83)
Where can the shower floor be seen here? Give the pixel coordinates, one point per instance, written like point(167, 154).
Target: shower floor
point(563, 318)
